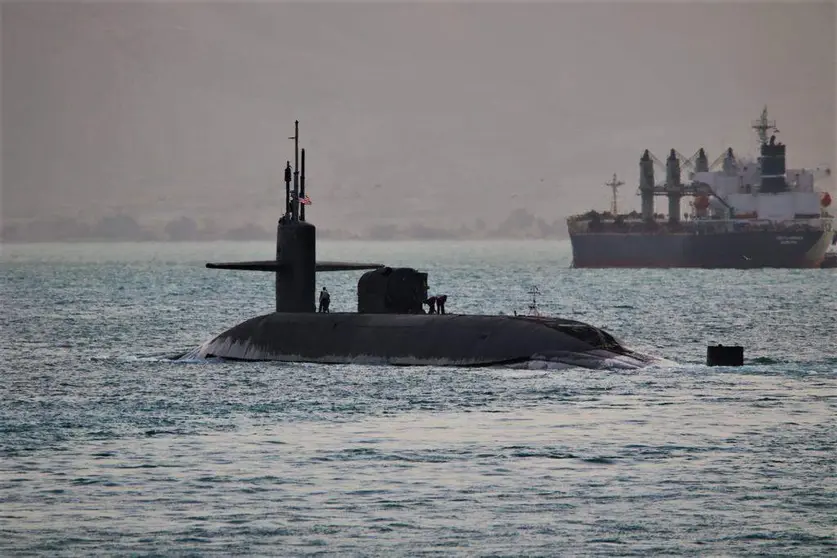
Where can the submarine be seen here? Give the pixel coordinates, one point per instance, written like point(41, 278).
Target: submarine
point(390, 325)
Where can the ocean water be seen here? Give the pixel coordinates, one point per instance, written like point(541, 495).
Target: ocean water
point(108, 447)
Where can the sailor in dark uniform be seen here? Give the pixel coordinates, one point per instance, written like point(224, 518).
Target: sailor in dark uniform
point(440, 303)
point(325, 299)
point(431, 303)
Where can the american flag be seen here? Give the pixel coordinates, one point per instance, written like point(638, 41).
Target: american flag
point(306, 200)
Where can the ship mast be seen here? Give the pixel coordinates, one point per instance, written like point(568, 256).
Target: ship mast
point(614, 185)
point(763, 126)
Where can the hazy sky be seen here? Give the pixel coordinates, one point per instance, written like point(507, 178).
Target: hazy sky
point(429, 110)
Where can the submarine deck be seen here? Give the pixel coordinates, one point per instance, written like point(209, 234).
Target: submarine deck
point(459, 339)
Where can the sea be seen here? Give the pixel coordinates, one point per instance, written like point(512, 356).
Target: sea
point(110, 447)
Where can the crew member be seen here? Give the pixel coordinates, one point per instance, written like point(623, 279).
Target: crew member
point(440, 303)
point(431, 303)
point(325, 299)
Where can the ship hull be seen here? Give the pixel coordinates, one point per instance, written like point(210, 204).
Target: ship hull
point(734, 250)
point(418, 339)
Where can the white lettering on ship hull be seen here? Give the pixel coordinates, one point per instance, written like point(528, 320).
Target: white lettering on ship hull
point(789, 239)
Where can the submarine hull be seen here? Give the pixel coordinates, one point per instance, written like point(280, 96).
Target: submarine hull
point(417, 339)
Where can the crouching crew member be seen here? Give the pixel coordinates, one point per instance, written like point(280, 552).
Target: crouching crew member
point(440, 303)
point(431, 304)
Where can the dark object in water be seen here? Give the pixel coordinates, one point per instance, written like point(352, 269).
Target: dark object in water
point(390, 325)
point(720, 355)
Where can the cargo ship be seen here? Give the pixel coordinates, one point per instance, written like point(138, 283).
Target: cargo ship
point(744, 213)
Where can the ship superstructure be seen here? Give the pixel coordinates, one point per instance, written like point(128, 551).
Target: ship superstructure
point(742, 213)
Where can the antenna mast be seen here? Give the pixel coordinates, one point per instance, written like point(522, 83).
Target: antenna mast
point(614, 185)
point(763, 126)
point(295, 197)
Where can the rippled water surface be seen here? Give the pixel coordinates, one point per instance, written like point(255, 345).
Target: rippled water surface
point(108, 447)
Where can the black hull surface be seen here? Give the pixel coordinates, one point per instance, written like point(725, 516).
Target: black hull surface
point(418, 339)
point(735, 250)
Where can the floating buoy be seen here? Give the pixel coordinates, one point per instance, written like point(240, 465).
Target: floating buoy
point(720, 355)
